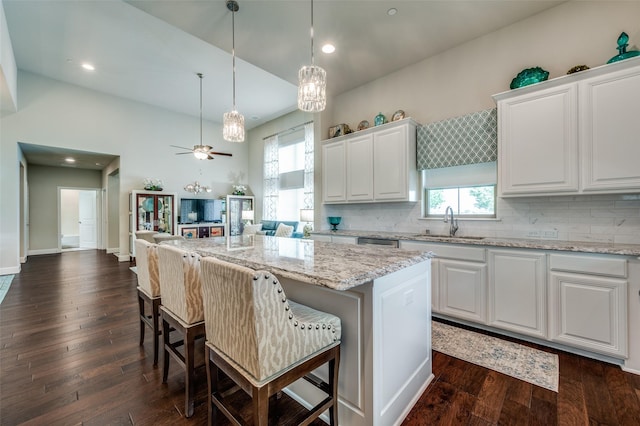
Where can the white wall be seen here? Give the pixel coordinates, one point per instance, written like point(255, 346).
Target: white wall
point(462, 80)
point(57, 114)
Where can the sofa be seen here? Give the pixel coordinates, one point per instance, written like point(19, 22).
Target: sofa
point(269, 227)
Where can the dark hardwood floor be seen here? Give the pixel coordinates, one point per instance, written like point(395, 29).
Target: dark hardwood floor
point(69, 355)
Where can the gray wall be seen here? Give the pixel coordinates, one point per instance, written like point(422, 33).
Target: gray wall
point(43, 200)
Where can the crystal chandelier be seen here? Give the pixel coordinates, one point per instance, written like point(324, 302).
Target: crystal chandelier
point(233, 122)
point(312, 83)
point(196, 188)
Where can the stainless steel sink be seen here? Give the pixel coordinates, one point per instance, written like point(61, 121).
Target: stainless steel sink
point(460, 237)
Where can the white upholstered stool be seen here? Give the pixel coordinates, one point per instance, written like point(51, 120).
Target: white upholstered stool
point(148, 291)
point(181, 312)
point(264, 342)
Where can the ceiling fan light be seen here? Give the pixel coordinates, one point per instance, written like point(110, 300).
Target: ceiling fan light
point(312, 88)
point(233, 126)
point(200, 155)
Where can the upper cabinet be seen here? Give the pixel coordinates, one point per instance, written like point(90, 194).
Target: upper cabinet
point(373, 165)
point(571, 135)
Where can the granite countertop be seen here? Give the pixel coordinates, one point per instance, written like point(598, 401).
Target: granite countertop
point(337, 266)
point(574, 246)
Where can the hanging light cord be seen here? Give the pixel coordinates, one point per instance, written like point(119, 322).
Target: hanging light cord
point(312, 63)
point(200, 76)
point(233, 52)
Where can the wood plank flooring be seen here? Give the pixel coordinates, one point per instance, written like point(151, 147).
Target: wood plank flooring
point(69, 355)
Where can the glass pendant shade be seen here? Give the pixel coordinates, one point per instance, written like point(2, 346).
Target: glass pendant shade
point(312, 87)
point(233, 126)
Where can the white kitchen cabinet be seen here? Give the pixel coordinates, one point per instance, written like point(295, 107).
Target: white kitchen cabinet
point(359, 168)
point(435, 269)
point(517, 291)
point(538, 142)
point(459, 279)
point(575, 134)
point(372, 165)
point(610, 108)
point(588, 302)
point(463, 289)
point(334, 187)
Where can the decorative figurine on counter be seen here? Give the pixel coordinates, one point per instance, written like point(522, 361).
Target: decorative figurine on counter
point(623, 42)
point(379, 119)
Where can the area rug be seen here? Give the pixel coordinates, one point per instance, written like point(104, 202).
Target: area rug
point(5, 283)
point(531, 365)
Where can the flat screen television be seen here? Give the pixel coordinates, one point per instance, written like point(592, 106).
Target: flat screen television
point(200, 210)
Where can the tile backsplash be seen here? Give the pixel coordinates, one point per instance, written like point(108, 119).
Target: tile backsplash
point(612, 218)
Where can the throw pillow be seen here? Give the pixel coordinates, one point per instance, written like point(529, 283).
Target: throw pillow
point(252, 229)
point(284, 230)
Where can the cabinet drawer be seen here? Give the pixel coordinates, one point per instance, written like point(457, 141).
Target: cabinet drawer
point(448, 251)
point(597, 265)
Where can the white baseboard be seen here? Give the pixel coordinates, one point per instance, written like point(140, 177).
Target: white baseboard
point(10, 270)
point(23, 259)
point(123, 257)
point(44, 251)
point(113, 250)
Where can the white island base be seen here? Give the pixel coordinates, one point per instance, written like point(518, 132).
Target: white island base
point(385, 360)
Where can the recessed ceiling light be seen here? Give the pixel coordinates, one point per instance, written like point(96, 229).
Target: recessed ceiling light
point(328, 48)
point(87, 66)
point(392, 11)
point(70, 160)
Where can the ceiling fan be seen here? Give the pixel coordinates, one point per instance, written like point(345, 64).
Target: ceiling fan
point(201, 152)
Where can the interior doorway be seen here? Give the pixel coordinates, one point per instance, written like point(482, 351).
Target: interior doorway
point(79, 221)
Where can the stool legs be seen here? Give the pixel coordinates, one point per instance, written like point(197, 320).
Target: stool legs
point(153, 321)
point(189, 334)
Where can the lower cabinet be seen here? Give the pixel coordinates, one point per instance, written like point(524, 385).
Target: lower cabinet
point(517, 291)
point(576, 299)
point(589, 311)
point(191, 231)
point(462, 289)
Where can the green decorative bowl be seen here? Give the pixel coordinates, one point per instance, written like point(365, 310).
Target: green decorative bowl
point(334, 221)
point(529, 76)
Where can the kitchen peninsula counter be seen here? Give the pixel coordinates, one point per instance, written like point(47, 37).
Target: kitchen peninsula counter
point(383, 300)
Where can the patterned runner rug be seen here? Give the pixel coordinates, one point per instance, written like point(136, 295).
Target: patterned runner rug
point(531, 365)
point(5, 283)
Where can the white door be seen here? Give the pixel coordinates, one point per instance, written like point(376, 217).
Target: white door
point(87, 216)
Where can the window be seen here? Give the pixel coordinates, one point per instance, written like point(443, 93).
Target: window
point(470, 190)
point(472, 201)
point(288, 170)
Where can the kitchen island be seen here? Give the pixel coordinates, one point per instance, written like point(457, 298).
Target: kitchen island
point(383, 300)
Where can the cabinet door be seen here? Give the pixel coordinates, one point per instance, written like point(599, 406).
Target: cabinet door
point(435, 269)
point(462, 289)
point(360, 168)
point(610, 107)
point(333, 173)
point(391, 164)
point(517, 291)
point(537, 142)
point(590, 312)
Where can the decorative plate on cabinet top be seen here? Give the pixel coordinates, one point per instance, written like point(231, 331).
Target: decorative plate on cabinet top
point(398, 115)
point(364, 124)
point(529, 76)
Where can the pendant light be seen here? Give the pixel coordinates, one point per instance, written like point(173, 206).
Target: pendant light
point(233, 122)
point(312, 83)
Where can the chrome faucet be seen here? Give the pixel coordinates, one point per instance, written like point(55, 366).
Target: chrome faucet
point(453, 224)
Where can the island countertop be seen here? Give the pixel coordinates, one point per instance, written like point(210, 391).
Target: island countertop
point(336, 266)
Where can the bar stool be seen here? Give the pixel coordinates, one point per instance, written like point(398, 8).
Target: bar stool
point(148, 291)
point(181, 311)
point(264, 342)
